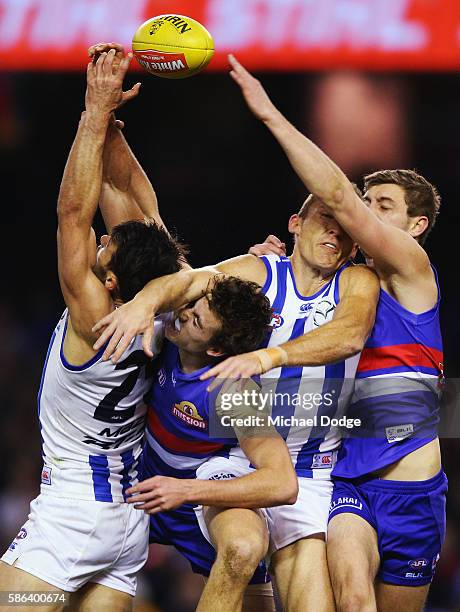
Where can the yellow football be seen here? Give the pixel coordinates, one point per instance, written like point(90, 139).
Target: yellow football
point(172, 46)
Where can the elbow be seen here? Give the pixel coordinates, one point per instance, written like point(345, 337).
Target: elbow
point(352, 343)
point(289, 491)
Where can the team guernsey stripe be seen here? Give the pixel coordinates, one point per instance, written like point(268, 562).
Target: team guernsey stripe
point(101, 473)
point(410, 355)
point(179, 445)
point(128, 461)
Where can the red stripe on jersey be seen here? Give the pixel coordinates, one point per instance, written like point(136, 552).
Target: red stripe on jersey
point(179, 445)
point(411, 355)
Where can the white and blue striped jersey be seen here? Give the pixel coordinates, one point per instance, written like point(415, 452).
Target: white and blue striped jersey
point(92, 420)
point(305, 398)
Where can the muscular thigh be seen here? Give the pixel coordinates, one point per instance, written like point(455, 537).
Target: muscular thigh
point(93, 597)
point(352, 550)
point(391, 597)
point(302, 576)
point(14, 579)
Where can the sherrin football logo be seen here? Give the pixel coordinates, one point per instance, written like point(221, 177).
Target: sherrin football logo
point(187, 412)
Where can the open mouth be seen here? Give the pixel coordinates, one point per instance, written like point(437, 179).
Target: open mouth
point(330, 246)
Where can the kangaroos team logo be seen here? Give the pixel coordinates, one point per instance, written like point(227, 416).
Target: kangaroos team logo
point(188, 413)
point(323, 312)
point(277, 321)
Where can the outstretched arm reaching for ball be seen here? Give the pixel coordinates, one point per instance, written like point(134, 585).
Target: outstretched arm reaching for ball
point(397, 256)
point(83, 292)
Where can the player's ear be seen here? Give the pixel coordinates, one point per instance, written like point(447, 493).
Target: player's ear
point(354, 251)
point(294, 224)
point(111, 282)
point(418, 225)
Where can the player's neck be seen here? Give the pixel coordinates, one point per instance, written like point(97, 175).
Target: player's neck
point(191, 362)
point(308, 280)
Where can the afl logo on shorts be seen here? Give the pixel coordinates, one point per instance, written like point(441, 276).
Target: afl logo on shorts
point(418, 563)
point(322, 312)
point(188, 413)
point(277, 321)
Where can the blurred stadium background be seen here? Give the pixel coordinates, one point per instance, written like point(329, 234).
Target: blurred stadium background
point(373, 82)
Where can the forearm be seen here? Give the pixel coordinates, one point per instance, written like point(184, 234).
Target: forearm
point(316, 170)
point(267, 486)
point(81, 182)
point(123, 175)
point(332, 342)
point(173, 291)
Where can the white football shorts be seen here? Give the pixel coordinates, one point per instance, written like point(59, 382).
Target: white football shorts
point(69, 542)
point(286, 524)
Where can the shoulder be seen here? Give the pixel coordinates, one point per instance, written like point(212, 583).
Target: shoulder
point(359, 272)
point(247, 267)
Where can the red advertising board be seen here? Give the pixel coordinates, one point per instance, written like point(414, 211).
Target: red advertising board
point(264, 34)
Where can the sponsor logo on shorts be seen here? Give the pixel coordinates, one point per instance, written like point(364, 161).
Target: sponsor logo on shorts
point(46, 475)
point(222, 476)
point(418, 563)
point(414, 575)
point(399, 432)
point(323, 460)
point(345, 502)
point(188, 413)
point(21, 535)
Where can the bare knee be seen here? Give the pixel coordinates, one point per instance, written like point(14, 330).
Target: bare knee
point(241, 556)
point(355, 597)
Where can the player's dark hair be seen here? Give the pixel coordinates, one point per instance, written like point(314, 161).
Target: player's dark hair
point(245, 313)
point(144, 251)
point(422, 198)
point(313, 198)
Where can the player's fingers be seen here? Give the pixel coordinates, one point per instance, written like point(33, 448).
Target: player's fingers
point(131, 93)
point(112, 345)
point(122, 345)
point(107, 66)
point(104, 337)
point(100, 62)
point(124, 65)
point(272, 239)
point(104, 322)
point(147, 339)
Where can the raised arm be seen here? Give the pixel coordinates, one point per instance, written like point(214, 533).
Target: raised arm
point(126, 191)
point(163, 295)
point(340, 338)
point(83, 292)
point(393, 250)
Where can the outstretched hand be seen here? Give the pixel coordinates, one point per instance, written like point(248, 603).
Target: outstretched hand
point(255, 95)
point(121, 326)
point(104, 92)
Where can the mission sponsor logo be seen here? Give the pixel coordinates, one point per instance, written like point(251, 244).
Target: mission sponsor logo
point(188, 413)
